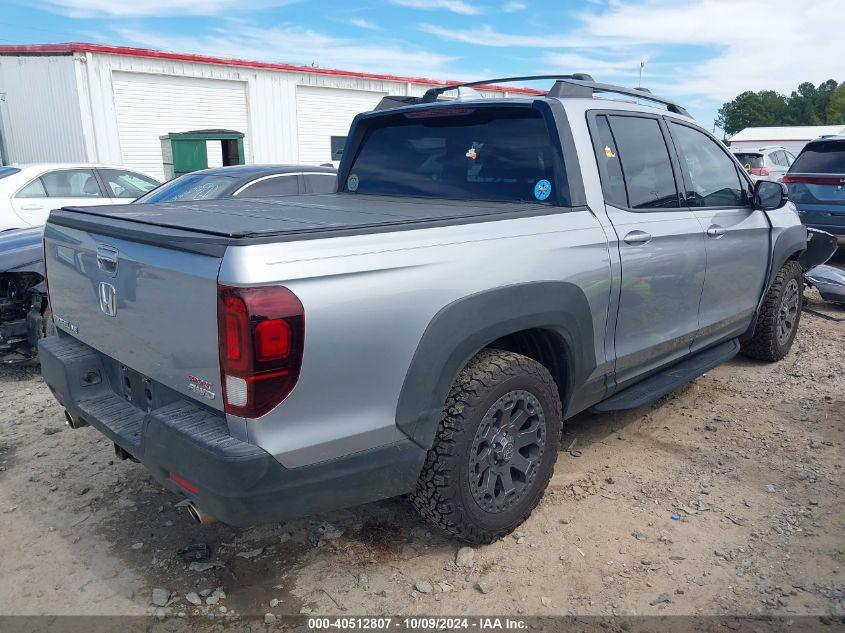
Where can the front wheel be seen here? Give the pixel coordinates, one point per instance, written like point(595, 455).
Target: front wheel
point(777, 323)
point(495, 449)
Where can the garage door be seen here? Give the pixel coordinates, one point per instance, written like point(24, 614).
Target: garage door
point(149, 106)
point(323, 113)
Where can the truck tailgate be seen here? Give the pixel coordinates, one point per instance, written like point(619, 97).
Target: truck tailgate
point(152, 309)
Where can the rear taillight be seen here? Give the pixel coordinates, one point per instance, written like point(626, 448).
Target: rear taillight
point(261, 334)
point(758, 171)
point(815, 180)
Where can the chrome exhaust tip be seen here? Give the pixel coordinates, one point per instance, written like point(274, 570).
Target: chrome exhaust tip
point(77, 423)
point(199, 516)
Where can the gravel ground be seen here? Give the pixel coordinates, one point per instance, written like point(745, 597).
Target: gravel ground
point(748, 458)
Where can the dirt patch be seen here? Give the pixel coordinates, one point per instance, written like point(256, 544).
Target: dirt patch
point(725, 497)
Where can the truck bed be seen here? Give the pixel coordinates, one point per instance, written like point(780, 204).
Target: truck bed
point(208, 226)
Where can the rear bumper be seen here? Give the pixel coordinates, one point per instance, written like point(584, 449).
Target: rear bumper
point(234, 481)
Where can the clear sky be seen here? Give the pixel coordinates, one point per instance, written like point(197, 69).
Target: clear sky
point(699, 52)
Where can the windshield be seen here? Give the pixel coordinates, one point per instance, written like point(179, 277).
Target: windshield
point(750, 161)
point(190, 187)
point(826, 157)
point(486, 153)
point(8, 171)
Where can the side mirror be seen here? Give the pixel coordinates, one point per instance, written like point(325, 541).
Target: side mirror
point(769, 195)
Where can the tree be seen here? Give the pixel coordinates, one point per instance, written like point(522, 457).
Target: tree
point(807, 105)
point(836, 106)
point(752, 109)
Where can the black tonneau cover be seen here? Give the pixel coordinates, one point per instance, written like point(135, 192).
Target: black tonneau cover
point(208, 226)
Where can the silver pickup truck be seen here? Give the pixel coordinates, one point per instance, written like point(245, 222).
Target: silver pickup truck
point(487, 269)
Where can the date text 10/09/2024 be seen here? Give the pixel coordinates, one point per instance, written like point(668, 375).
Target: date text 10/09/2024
point(417, 623)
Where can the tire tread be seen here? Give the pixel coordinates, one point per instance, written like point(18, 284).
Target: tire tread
point(436, 495)
point(763, 344)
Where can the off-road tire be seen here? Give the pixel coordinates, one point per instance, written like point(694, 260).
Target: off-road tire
point(443, 494)
point(764, 343)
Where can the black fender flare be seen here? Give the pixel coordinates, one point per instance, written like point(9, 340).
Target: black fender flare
point(790, 242)
point(464, 327)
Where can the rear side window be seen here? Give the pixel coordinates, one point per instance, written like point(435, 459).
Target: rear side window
point(779, 158)
point(645, 162)
point(711, 175)
point(486, 153)
point(190, 187)
point(273, 186)
point(8, 171)
point(71, 183)
point(826, 157)
point(127, 184)
point(35, 189)
point(750, 161)
point(612, 179)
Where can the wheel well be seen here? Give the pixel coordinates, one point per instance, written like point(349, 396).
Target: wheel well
point(547, 347)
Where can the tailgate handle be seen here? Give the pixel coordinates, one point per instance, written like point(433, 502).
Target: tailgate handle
point(107, 259)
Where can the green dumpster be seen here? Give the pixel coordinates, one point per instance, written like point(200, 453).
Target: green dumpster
point(184, 152)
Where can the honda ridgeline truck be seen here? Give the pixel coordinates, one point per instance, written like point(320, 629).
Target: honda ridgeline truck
point(487, 269)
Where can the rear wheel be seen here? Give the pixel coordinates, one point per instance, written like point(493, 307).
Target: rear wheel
point(495, 448)
point(777, 323)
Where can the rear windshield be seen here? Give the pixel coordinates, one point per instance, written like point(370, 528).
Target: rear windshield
point(487, 153)
point(750, 161)
point(826, 157)
point(190, 187)
point(8, 171)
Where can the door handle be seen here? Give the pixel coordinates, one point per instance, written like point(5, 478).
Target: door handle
point(32, 207)
point(715, 231)
point(635, 238)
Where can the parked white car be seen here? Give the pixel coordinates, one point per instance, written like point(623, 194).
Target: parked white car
point(770, 162)
point(29, 192)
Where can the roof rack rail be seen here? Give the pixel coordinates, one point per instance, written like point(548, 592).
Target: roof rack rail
point(566, 87)
point(576, 85)
point(431, 94)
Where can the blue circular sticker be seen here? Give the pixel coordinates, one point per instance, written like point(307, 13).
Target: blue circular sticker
point(543, 189)
point(352, 182)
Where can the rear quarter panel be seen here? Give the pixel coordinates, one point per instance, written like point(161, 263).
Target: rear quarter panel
point(368, 300)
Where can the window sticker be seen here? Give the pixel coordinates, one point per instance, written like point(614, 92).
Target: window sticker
point(352, 182)
point(609, 152)
point(543, 189)
point(471, 153)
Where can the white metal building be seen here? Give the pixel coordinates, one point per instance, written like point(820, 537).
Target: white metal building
point(792, 138)
point(108, 104)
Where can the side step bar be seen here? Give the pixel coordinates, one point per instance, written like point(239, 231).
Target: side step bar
point(663, 382)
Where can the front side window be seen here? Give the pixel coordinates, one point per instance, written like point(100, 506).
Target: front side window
point(646, 164)
point(71, 183)
point(273, 186)
point(320, 183)
point(712, 177)
point(482, 153)
point(337, 143)
point(127, 184)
